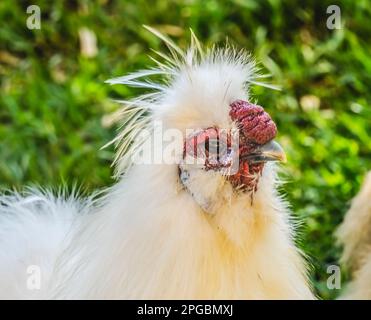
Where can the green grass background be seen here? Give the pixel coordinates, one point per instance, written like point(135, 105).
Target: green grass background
point(53, 100)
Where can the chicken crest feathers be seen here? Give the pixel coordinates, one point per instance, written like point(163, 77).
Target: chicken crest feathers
point(135, 114)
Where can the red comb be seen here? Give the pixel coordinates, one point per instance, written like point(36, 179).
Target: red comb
point(255, 124)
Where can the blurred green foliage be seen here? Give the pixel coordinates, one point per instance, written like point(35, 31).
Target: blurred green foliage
point(53, 99)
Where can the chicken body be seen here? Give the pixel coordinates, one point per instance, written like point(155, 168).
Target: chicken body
point(152, 242)
point(148, 237)
point(355, 235)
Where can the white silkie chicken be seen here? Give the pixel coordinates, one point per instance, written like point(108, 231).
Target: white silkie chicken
point(168, 229)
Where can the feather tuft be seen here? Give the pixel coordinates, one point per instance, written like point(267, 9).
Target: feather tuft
point(136, 113)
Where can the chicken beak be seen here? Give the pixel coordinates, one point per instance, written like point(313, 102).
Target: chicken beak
point(271, 151)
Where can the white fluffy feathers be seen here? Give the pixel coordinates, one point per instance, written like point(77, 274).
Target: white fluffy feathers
point(147, 238)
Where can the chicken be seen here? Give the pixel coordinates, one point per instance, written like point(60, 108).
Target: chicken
point(355, 235)
point(196, 216)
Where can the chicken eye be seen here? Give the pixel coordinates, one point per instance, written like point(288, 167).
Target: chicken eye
point(209, 144)
point(212, 146)
point(216, 147)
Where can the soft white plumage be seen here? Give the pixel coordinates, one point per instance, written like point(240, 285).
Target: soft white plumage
point(147, 237)
point(355, 236)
